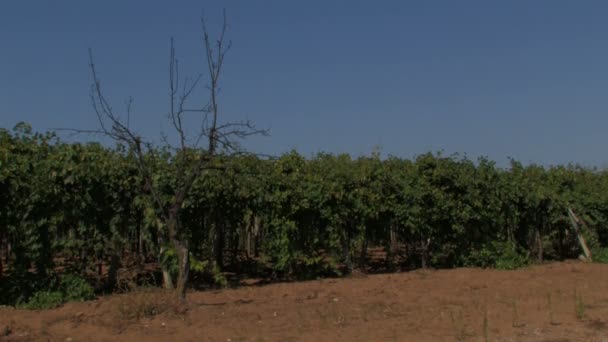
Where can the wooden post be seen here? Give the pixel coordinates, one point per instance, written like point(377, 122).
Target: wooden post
point(581, 239)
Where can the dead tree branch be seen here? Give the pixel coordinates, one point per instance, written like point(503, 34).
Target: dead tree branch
point(223, 139)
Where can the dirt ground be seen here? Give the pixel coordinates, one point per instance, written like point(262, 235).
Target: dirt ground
point(555, 302)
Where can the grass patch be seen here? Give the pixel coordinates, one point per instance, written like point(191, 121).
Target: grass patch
point(145, 303)
point(43, 300)
point(499, 255)
point(75, 289)
point(67, 288)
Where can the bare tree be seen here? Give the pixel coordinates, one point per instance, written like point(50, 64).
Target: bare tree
point(191, 157)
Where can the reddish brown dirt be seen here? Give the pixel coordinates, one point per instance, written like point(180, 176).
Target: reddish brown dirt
point(534, 304)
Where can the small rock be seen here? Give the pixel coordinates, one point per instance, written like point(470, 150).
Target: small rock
point(335, 299)
point(68, 339)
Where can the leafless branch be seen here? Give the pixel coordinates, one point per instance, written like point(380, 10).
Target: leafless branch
point(222, 139)
point(111, 125)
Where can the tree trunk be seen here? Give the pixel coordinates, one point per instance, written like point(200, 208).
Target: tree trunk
point(562, 254)
point(363, 254)
point(256, 236)
point(9, 251)
point(145, 249)
point(183, 256)
point(100, 262)
point(248, 235)
point(113, 271)
point(425, 257)
point(139, 247)
point(248, 244)
point(581, 239)
point(167, 280)
point(346, 253)
point(392, 245)
point(393, 238)
point(539, 246)
point(219, 245)
point(235, 245)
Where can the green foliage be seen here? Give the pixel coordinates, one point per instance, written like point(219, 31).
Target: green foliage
point(218, 277)
point(511, 257)
point(18, 287)
point(85, 208)
point(168, 260)
point(76, 289)
point(500, 255)
point(205, 267)
point(43, 300)
point(308, 268)
point(600, 255)
point(484, 257)
point(34, 291)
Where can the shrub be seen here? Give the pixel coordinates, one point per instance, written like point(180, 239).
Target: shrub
point(52, 294)
point(484, 257)
point(209, 270)
point(42, 300)
point(500, 255)
point(313, 267)
point(218, 277)
point(600, 255)
point(18, 287)
point(76, 289)
point(510, 257)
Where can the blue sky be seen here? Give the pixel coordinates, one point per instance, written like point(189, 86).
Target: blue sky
point(522, 79)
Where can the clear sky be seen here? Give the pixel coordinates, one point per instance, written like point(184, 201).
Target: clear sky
point(523, 79)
